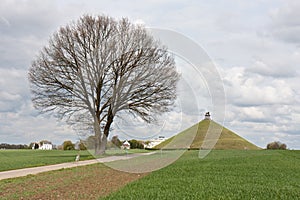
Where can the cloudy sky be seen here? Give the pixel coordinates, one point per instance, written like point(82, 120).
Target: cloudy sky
point(255, 46)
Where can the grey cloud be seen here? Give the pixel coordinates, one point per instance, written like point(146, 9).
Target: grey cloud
point(278, 70)
point(286, 22)
point(25, 18)
point(22, 127)
point(262, 105)
point(263, 133)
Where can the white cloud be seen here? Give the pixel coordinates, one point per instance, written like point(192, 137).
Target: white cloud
point(253, 113)
point(245, 89)
point(259, 36)
point(262, 108)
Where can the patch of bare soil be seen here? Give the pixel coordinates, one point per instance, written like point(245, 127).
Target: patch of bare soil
point(87, 182)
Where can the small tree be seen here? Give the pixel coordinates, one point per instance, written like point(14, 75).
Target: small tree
point(115, 140)
point(282, 146)
point(45, 142)
point(276, 145)
point(82, 146)
point(31, 145)
point(68, 145)
point(135, 144)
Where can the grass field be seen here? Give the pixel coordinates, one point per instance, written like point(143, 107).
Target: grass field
point(17, 159)
point(223, 174)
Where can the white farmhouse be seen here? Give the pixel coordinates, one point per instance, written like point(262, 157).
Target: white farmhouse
point(46, 145)
point(152, 143)
point(125, 145)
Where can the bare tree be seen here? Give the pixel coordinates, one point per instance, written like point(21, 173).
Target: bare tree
point(97, 67)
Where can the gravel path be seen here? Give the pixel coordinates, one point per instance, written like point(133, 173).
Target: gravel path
point(36, 170)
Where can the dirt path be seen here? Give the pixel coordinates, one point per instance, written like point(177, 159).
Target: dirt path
point(36, 170)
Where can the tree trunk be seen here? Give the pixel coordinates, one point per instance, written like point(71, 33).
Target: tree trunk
point(98, 134)
point(103, 145)
point(110, 119)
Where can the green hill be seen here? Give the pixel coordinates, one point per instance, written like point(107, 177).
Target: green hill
point(205, 135)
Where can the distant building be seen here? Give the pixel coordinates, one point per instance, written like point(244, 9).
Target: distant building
point(46, 146)
point(152, 143)
point(207, 116)
point(43, 145)
point(35, 145)
point(125, 145)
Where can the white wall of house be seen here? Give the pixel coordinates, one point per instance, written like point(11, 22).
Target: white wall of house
point(125, 145)
point(156, 141)
point(46, 147)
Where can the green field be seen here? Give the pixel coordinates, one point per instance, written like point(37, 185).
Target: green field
point(17, 159)
point(223, 174)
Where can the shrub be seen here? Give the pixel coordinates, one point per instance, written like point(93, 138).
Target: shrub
point(82, 146)
point(282, 146)
point(134, 144)
point(276, 145)
point(115, 141)
point(68, 145)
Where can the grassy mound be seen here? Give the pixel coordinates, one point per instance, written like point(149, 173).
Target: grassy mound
point(206, 134)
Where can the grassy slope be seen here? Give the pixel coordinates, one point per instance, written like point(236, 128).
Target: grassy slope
point(223, 174)
point(197, 133)
point(17, 159)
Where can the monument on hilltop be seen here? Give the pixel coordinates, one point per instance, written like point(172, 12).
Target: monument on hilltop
point(207, 116)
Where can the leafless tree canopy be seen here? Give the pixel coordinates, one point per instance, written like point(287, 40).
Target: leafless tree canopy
point(98, 66)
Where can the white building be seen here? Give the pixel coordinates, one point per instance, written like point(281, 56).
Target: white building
point(125, 145)
point(152, 143)
point(46, 146)
point(43, 145)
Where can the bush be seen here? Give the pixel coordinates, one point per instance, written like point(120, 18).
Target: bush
point(282, 146)
point(68, 145)
point(134, 144)
point(276, 145)
point(81, 146)
point(115, 141)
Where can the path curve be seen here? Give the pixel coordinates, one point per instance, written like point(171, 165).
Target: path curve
point(36, 170)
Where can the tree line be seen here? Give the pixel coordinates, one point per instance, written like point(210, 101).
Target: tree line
point(13, 146)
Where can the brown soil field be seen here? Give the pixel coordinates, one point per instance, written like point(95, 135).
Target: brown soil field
point(86, 182)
